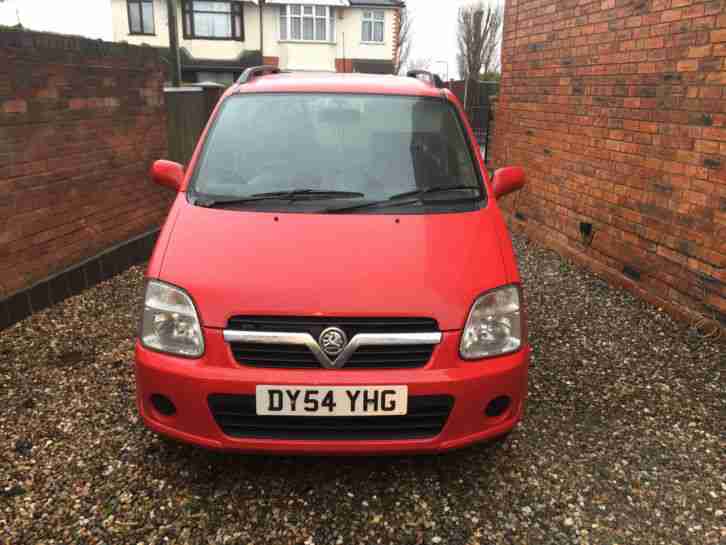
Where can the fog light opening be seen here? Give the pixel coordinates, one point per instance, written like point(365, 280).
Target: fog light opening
point(498, 406)
point(163, 404)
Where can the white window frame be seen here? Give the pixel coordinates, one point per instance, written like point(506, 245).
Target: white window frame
point(373, 17)
point(286, 17)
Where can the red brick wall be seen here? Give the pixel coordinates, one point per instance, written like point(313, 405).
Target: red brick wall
point(80, 123)
point(617, 110)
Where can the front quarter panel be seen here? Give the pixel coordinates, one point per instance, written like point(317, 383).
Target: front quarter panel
point(157, 259)
point(509, 257)
point(162, 242)
point(495, 214)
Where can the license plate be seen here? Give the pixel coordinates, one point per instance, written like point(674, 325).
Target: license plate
point(331, 400)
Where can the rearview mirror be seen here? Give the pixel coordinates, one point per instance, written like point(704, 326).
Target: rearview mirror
point(168, 173)
point(507, 180)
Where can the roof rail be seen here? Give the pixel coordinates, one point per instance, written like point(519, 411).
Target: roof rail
point(429, 77)
point(257, 71)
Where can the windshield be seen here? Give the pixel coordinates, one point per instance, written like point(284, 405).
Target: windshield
point(369, 146)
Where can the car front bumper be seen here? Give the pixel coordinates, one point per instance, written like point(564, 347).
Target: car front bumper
point(189, 383)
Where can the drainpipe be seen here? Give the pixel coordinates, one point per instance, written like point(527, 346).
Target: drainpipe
point(262, 31)
point(173, 43)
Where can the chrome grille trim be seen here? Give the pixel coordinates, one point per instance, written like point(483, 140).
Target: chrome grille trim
point(305, 339)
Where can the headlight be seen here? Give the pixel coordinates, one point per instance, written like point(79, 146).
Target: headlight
point(170, 323)
point(494, 326)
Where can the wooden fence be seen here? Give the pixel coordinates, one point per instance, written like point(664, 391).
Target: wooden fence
point(188, 109)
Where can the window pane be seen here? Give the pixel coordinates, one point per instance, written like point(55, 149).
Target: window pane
point(134, 17)
point(211, 25)
point(283, 23)
point(320, 11)
point(332, 25)
point(295, 10)
point(308, 28)
point(237, 26)
point(148, 13)
point(367, 31)
point(367, 14)
point(320, 29)
point(308, 10)
point(404, 143)
point(295, 29)
point(379, 15)
point(379, 32)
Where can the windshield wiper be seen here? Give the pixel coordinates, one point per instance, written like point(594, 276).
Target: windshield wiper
point(312, 194)
point(399, 199)
point(440, 189)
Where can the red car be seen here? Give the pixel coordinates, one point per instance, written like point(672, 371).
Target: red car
point(334, 275)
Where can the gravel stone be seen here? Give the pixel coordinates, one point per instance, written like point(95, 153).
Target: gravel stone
point(623, 441)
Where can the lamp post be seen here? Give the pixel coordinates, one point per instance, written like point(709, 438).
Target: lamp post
point(261, 10)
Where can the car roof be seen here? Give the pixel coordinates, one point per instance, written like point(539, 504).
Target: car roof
point(338, 83)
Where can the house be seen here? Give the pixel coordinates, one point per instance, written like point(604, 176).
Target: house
point(218, 39)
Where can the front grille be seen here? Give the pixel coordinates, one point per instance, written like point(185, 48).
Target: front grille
point(274, 356)
point(236, 416)
point(316, 324)
point(282, 356)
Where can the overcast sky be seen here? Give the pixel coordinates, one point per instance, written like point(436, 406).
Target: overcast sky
point(434, 35)
point(434, 32)
point(90, 18)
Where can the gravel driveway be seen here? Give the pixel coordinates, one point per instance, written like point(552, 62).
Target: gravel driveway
point(623, 442)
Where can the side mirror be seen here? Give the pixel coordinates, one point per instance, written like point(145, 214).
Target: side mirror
point(168, 173)
point(507, 180)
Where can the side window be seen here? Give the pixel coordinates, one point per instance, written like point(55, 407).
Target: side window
point(141, 16)
point(374, 24)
